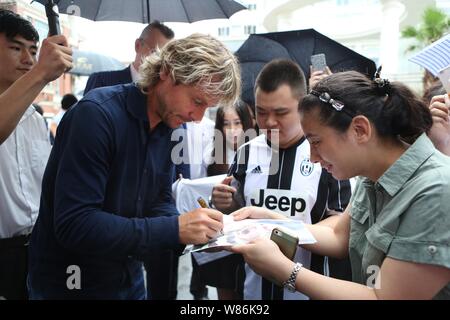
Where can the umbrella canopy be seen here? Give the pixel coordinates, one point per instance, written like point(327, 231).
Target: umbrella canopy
point(86, 62)
point(145, 11)
point(298, 45)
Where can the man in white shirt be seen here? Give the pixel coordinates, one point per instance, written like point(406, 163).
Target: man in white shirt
point(24, 153)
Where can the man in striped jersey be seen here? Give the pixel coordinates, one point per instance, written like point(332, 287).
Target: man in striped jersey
point(274, 171)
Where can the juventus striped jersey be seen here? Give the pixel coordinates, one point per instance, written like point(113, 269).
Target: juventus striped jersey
point(287, 182)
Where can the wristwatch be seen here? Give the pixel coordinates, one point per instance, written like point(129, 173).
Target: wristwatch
point(290, 282)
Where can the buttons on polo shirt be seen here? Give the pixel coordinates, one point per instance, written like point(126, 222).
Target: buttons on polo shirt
point(432, 249)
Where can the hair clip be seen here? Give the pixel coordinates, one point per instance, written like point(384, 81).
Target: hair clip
point(383, 85)
point(377, 73)
point(325, 97)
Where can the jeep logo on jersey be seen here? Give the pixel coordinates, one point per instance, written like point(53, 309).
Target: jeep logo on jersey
point(306, 167)
point(281, 201)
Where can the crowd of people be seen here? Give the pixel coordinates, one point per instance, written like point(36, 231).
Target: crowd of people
point(99, 198)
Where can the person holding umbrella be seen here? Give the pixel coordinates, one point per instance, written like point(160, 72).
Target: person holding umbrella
point(24, 140)
point(106, 202)
point(396, 228)
point(25, 144)
point(55, 57)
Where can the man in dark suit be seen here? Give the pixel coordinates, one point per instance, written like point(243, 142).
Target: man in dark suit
point(162, 269)
point(154, 35)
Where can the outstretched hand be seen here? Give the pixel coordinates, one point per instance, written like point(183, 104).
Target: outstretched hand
point(255, 213)
point(266, 259)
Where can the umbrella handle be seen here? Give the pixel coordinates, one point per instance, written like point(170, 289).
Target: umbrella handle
point(53, 18)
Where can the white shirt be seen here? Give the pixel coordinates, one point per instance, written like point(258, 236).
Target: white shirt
point(200, 137)
point(57, 118)
point(23, 157)
point(134, 73)
point(186, 192)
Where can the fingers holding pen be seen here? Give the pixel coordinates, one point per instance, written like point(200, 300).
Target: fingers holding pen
point(199, 226)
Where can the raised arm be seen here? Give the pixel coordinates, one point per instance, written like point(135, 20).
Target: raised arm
point(54, 58)
point(440, 131)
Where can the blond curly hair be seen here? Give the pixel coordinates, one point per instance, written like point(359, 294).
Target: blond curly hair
point(195, 60)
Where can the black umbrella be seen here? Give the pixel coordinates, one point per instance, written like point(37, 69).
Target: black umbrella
point(145, 11)
point(87, 62)
point(298, 45)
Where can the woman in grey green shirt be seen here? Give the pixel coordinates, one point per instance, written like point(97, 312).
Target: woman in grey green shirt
point(397, 228)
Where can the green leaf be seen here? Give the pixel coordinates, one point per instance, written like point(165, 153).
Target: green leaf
point(409, 32)
point(435, 24)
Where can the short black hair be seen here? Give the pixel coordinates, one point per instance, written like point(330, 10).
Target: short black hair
point(165, 30)
point(12, 25)
point(67, 101)
point(279, 72)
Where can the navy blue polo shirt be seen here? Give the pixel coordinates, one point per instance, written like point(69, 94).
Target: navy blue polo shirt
point(106, 197)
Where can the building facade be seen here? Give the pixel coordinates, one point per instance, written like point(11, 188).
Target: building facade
point(370, 27)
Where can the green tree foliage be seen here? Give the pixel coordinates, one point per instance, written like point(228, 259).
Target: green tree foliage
point(434, 25)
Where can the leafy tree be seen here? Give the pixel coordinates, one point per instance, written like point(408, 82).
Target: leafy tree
point(435, 24)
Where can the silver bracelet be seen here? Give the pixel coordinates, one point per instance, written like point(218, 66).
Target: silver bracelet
point(290, 282)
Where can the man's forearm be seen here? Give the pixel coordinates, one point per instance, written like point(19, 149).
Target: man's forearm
point(16, 99)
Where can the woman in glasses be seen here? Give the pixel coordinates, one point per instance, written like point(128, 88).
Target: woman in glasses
point(396, 229)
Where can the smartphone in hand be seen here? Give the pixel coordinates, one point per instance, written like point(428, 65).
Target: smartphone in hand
point(318, 62)
point(285, 241)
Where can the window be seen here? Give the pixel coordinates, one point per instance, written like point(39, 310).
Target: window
point(249, 29)
point(342, 2)
point(42, 28)
point(224, 31)
point(251, 7)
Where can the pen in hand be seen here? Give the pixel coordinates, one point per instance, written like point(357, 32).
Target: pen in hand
point(203, 204)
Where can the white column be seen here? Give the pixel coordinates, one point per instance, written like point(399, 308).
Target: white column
point(393, 11)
